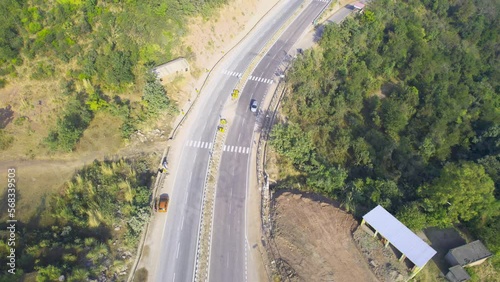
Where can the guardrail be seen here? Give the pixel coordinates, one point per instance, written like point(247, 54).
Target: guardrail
point(176, 127)
point(253, 64)
point(201, 266)
point(315, 21)
point(160, 179)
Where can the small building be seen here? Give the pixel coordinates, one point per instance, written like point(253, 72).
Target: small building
point(470, 254)
point(175, 67)
point(401, 237)
point(358, 6)
point(457, 274)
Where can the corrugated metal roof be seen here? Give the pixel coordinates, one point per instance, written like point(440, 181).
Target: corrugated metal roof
point(457, 274)
point(470, 253)
point(172, 67)
point(400, 236)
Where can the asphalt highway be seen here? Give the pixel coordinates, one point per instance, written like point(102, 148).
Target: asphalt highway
point(179, 237)
point(229, 245)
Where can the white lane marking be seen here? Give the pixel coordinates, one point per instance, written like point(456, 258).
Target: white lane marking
point(239, 137)
point(178, 248)
point(173, 279)
point(232, 73)
point(182, 222)
point(191, 176)
point(229, 207)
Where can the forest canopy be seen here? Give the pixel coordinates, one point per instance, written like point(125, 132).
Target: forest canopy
point(400, 106)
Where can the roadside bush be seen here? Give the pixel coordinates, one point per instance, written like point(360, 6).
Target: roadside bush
point(70, 127)
point(80, 242)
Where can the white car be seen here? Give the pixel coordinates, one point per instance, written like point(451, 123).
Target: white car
point(253, 106)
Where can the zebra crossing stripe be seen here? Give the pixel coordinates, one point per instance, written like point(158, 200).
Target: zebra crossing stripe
point(248, 150)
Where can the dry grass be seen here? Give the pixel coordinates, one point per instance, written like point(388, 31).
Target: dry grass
point(38, 103)
point(430, 273)
point(484, 272)
point(102, 137)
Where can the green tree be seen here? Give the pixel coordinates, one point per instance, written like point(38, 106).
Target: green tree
point(462, 192)
point(155, 96)
point(412, 216)
point(48, 273)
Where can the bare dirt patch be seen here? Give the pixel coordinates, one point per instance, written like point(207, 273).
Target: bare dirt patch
point(314, 239)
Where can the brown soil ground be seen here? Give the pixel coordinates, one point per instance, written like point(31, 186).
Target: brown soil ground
point(314, 240)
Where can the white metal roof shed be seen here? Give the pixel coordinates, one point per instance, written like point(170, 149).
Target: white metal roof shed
point(407, 242)
point(172, 67)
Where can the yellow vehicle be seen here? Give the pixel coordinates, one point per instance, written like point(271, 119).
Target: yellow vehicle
point(163, 203)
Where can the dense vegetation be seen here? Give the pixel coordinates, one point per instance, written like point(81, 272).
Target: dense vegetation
point(91, 229)
point(107, 45)
point(400, 107)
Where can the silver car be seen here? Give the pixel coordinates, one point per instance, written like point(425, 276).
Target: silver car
point(253, 106)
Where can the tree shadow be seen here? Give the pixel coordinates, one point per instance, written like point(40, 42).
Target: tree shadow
point(443, 240)
point(6, 116)
point(318, 33)
point(4, 205)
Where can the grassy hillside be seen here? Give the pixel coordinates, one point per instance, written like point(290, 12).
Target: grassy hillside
point(63, 57)
point(399, 106)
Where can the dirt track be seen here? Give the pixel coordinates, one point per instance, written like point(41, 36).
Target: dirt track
point(315, 240)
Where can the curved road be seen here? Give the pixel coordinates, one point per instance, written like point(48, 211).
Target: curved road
point(228, 259)
point(179, 236)
point(229, 244)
